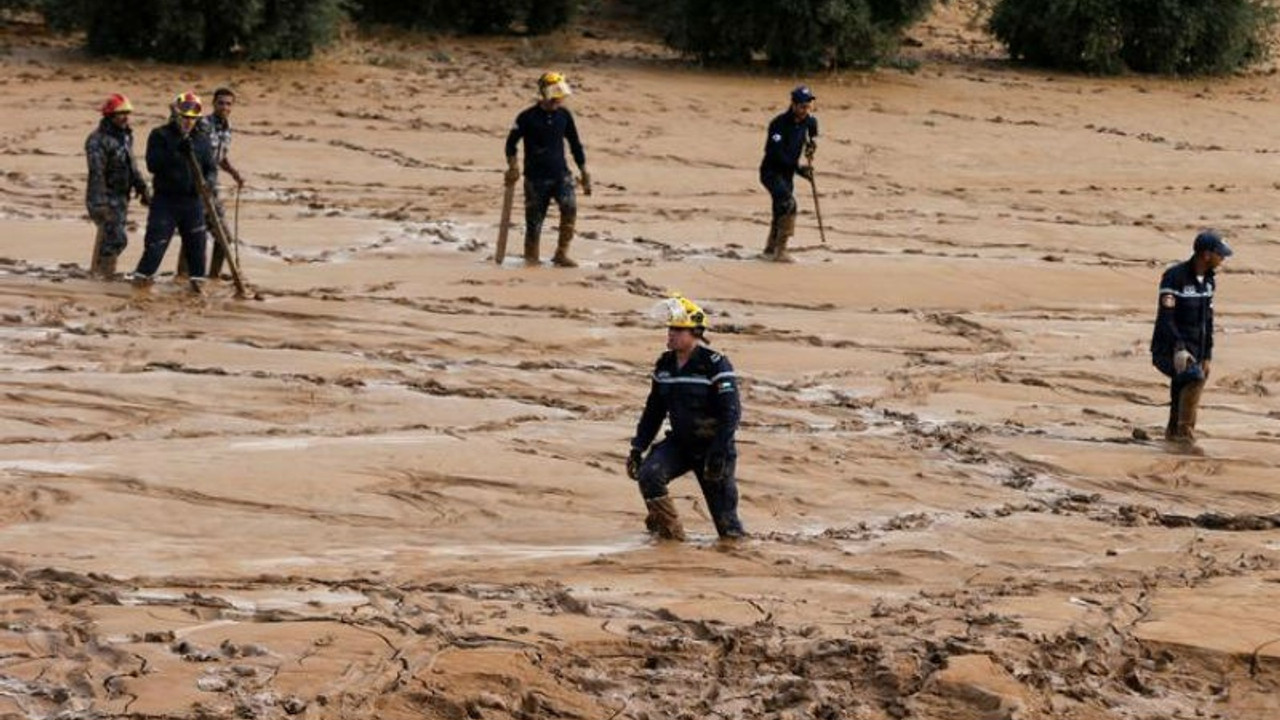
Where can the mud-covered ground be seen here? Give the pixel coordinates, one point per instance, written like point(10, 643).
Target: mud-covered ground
point(390, 485)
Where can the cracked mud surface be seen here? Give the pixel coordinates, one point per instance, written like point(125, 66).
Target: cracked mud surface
point(392, 487)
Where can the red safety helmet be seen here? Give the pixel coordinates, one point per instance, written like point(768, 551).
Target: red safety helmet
point(115, 104)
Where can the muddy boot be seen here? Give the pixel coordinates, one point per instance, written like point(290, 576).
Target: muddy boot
point(98, 269)
point(771, 244)
point(182, 272)
point(663, 520)
point(786, 228)
point(531, 250)
point(561, 258)
point(1188, 408)
point(215, 263)
point(108, 267)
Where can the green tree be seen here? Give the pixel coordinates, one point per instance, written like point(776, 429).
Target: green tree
point(469, 16)
point(1151, 36)
point(788, 33)
point(180, 31)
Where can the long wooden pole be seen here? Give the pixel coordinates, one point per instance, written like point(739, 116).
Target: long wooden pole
point(215, 223)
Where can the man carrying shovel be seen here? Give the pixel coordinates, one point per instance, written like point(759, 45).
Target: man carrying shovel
point(790, 134)
point(544, 128)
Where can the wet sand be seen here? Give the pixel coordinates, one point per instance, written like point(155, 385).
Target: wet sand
point(393, 486)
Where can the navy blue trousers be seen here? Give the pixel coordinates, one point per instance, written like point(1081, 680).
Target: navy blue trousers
point(538, 194)
point(668, 460)
point(782, 190)
point(169, 213)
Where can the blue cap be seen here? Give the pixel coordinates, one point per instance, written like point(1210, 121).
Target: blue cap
point(802, 94)
point(1211, 241)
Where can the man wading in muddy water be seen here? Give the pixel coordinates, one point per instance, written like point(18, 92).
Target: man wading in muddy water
point(696, 388)
point(177, 202)
point(790, 134)
point(112, 174)
point(1182, 341)
point(544, 128)
point(217, 126)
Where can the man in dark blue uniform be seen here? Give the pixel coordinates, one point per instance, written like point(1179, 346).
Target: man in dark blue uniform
point(177, 203)
point(696, 389)
point(544, 128)
point(790, 134)
point(1182, 341)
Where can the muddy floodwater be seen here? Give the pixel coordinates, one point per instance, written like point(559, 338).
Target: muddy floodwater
point(392, 484)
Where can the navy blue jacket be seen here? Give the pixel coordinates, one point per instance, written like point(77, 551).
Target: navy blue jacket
point(1184, 319)
point(544, 134)
point(170, 173)
point(700, 399)
point(785, 143)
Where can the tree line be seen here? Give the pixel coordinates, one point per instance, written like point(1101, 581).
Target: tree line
point(1183, 37)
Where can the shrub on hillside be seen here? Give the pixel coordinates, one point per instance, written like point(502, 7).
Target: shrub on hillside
point(181, 31)
point(1152, 36)
point(469, 16)
point(789, 33)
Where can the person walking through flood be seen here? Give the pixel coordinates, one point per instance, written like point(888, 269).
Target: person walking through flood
point(112, 175)
point(696, 389)
point(217, 126)
point(544, 128)
point(177, 203)
point(790, 134)
point(1182, 340)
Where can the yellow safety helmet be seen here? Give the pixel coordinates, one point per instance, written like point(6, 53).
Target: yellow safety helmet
point(679, 311)
point(553, 86)
point(187, 105)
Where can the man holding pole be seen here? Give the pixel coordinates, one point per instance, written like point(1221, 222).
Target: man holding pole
point(790, 134)
point(544, 128)
point(177, 203)
point(217, 125)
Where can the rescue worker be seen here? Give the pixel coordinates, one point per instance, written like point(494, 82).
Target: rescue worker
point(790, 134)
point(544, 128)
point(696, 389)
point(112, 175)
point(217, 126)
point(177, 203)
point(1182, 340)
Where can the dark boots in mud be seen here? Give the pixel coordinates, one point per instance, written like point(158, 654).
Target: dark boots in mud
point(663, 520)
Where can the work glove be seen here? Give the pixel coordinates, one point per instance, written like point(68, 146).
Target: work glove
point(235, 175)
point(810, 148)
point(634, 460)
point(586, 182)
point(714, 469)
point(513, 171)
point(805, 171)
point(184, 145)
point(1182, 359)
